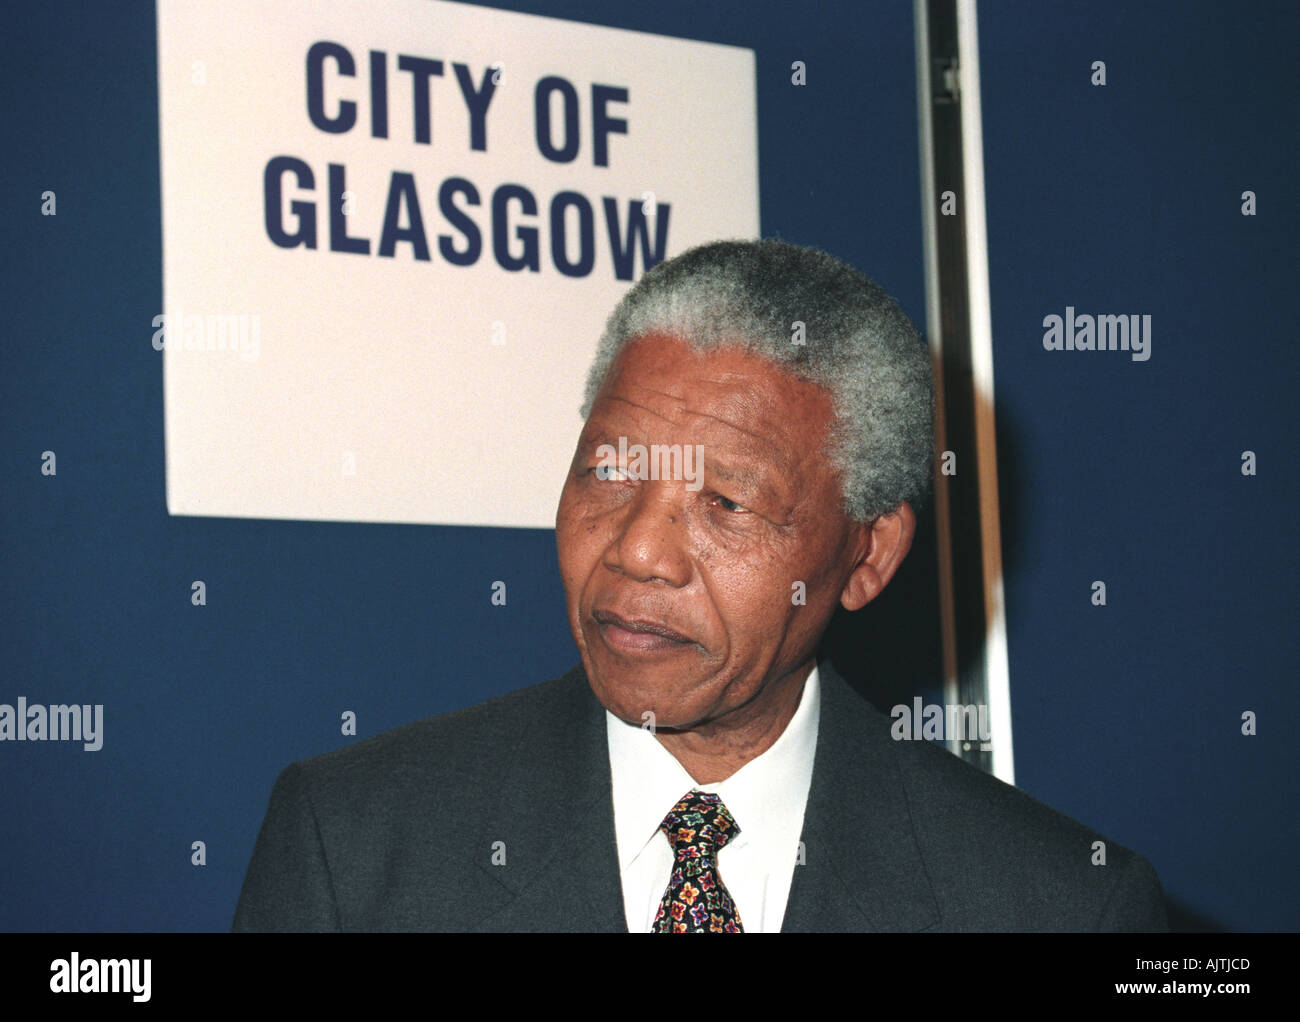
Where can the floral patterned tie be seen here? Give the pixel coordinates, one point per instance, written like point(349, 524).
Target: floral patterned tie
point(696, 900)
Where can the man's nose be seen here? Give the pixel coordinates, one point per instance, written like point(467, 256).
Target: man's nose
point(652, 543)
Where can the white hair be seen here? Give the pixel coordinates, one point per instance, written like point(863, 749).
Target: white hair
point(856, 342)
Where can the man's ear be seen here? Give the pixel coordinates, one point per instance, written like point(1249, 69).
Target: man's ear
point(885, 543)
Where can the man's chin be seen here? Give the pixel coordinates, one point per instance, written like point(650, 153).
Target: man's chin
point(636, 701)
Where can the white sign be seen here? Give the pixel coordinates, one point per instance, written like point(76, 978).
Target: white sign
point(393, 231)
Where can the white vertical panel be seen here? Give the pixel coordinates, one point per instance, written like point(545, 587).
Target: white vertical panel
point(997, 671)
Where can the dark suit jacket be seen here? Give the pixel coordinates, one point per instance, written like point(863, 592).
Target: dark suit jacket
point(398, 832)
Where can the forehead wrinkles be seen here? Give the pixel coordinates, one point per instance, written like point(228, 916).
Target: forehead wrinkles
point(731, 400)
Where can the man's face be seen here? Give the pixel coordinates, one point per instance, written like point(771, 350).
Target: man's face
point(716, 564)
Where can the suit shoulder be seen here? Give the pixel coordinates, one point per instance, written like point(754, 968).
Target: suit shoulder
point(945, 785)
point(462, 744)
point(1038, 867)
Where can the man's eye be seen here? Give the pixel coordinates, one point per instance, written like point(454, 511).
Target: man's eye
point(733, 505)
point(609, 473)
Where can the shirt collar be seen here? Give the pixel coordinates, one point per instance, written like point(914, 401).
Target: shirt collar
point(766, 796)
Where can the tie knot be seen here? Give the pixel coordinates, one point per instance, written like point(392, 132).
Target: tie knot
point(699, 821)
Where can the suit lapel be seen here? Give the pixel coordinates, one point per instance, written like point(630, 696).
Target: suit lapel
point(554, 812)
point(556, 818)
point(863, 868)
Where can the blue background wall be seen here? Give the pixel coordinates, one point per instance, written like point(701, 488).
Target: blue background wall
point(1127, 199)
point(1121, 199)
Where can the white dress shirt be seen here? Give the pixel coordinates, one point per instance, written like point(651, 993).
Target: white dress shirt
point(766, 797)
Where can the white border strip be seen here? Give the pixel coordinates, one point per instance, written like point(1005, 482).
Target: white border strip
point(996, 665)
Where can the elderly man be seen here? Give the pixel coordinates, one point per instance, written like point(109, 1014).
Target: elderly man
point(758, 429)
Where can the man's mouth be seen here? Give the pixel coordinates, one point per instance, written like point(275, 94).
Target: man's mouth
point(637, 635)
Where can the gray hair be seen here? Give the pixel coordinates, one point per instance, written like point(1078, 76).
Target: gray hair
point(858, 344)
